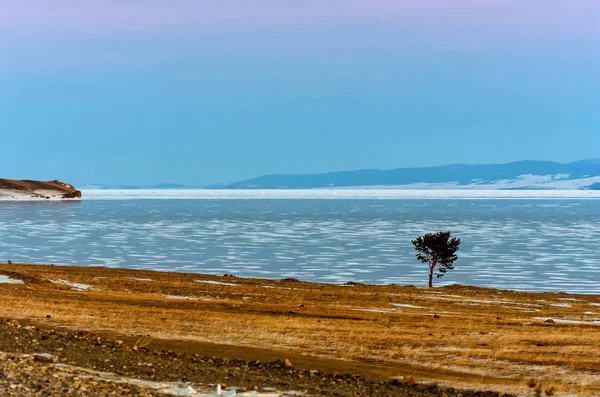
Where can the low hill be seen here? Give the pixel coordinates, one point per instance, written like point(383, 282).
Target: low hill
point(517, 175)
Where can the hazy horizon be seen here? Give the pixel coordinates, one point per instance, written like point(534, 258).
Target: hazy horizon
point(167, 182)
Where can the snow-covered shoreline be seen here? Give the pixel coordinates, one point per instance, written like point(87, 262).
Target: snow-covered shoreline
point(35, 195)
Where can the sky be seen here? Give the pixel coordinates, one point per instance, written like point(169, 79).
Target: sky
point(200, 92)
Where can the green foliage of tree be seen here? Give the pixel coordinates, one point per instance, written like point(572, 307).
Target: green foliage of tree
point(438, 250)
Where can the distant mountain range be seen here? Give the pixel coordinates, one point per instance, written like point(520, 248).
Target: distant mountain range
point(583, 174)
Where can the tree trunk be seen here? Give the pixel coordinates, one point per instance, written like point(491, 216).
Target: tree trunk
point(430, 276)
point(431, 268)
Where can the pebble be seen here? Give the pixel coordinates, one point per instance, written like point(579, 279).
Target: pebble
point(44, 357)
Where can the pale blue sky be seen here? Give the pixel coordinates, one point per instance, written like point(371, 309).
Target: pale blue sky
point(195, 92)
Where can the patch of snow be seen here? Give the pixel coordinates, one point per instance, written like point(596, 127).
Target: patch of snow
point(268, 392)
point(560, 305)
point(140, 279)
point(8, 280)
point(378, 310)
point(522, 309)
point(445, 312)
point(489, 302)
point(503, 302)
point(180, 391)
point(74, 286)
point(525, 181)
point(35, 195)
point(290, 288)
point(264, 394)
point(407, 306)
point(567, 321)
point(216, 283)
point(181, 297)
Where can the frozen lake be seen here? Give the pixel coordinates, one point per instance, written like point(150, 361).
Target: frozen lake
point(528, 240)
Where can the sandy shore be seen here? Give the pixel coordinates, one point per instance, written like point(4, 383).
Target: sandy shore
point(199, 331)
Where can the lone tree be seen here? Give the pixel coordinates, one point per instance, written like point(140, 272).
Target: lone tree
point(438, 250)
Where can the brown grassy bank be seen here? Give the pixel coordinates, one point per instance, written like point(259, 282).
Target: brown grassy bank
point(38, 189)
point(461, 336)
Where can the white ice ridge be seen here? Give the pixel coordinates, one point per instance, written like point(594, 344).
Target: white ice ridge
point(388, 193)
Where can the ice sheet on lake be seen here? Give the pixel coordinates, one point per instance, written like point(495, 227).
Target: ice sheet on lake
point(521, 243)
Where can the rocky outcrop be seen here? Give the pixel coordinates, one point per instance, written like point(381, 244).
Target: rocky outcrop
point(26, 189)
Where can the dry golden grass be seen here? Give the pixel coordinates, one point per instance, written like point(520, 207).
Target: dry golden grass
point(483, 338)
